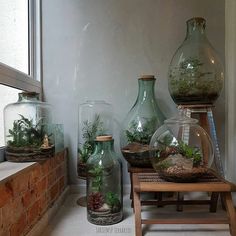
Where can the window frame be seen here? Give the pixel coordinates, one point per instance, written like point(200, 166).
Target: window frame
point(14, 78)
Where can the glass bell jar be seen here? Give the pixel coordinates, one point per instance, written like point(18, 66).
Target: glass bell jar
point(140, 124)
point(95, 118)
point(104, 184)
point(195, 72)
point(28, 129)
point(182, 150)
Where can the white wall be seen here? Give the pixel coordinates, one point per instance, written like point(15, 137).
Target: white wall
point(96, 49)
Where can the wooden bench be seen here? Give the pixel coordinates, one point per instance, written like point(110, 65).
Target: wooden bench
point(210, 183)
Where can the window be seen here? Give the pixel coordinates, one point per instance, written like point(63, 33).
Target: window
point(20, 51)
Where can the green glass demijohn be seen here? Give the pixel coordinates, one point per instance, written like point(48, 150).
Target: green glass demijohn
point(140, 124)
point(104, 184)
point(195, 72)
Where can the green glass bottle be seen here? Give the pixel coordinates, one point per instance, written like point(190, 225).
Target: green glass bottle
point(195, 73)
point(104, 184)
point(140, 124)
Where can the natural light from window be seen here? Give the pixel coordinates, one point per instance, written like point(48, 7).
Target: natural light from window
point(8, 95)
point(14, 48)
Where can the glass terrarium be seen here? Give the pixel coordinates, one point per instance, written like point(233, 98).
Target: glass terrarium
point(195, 72)
point(140, 124)
point(104, 184)
point(182, 150)
point(95, 118)
point(28, 125)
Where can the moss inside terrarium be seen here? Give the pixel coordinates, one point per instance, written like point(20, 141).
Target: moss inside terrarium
point(188, 83)
point(137, 150)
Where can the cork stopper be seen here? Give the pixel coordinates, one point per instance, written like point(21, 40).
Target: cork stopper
point(147, 77)
point(104, 138)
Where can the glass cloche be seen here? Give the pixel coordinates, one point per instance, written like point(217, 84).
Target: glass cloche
point(95, 118)
point(28, 129)
point(183, 149)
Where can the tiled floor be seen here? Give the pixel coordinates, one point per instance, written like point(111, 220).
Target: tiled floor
point(71, 221)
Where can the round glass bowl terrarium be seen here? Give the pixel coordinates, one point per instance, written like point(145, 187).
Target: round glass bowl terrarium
point(182, 150)
point(195, 72)
point(28, 129)
point(95, 118)
point(104, 184)
point(140, 124)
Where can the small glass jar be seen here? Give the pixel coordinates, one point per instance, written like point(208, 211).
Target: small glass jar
point(195, 72)
point(140, 124)
point(182, 150)
point(28, 125)
point(95, 118)
point(104, 184)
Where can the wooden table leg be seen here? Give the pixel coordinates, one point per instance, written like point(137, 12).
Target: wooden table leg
point(214, 201)
point(231, 212)
point(137, 210)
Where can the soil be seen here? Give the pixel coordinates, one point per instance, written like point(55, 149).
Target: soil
point(177, 174)
point(195, 99)
point(137, 154)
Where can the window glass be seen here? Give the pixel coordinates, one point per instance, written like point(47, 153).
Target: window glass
point(14, 43)
point(8, 95)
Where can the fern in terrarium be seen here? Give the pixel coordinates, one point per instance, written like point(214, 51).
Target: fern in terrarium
point(90, 130)
point(25, 134)
point(141, 135)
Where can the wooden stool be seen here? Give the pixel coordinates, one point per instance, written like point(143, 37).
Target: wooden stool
point(133, 170)
point(211, 182)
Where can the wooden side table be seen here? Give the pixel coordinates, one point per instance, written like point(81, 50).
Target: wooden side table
point(211, 183)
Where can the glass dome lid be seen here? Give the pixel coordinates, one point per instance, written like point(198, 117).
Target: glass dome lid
point(183, 150)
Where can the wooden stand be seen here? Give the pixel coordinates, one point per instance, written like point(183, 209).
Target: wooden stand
point(151, 182)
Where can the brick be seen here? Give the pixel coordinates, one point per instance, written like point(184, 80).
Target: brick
point(8, 215)
point(4, 232)
point(17, 228)
point(41, 186)
point(44, 202)
point(45, 167)
point(52, 178)
point(28, 198)
point(54, 191)
point(6, 193)
point(61, 184)
point(21, 183)
point(35, 175)
point(33, 213)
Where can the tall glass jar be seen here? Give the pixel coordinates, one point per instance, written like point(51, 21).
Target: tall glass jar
point(140, 124)
point(95, 118)
point(195, 72)
point(104, 184)
point(28, 129)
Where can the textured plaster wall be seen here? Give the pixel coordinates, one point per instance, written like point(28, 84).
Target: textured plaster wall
point(96, 49)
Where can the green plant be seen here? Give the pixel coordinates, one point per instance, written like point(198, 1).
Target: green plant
point(141, 134)
point(190, 152)
point(90, 131)
point(25, 133)
point(188, 78)
point(96, 175)
point(169, 147)
point(113, 201)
